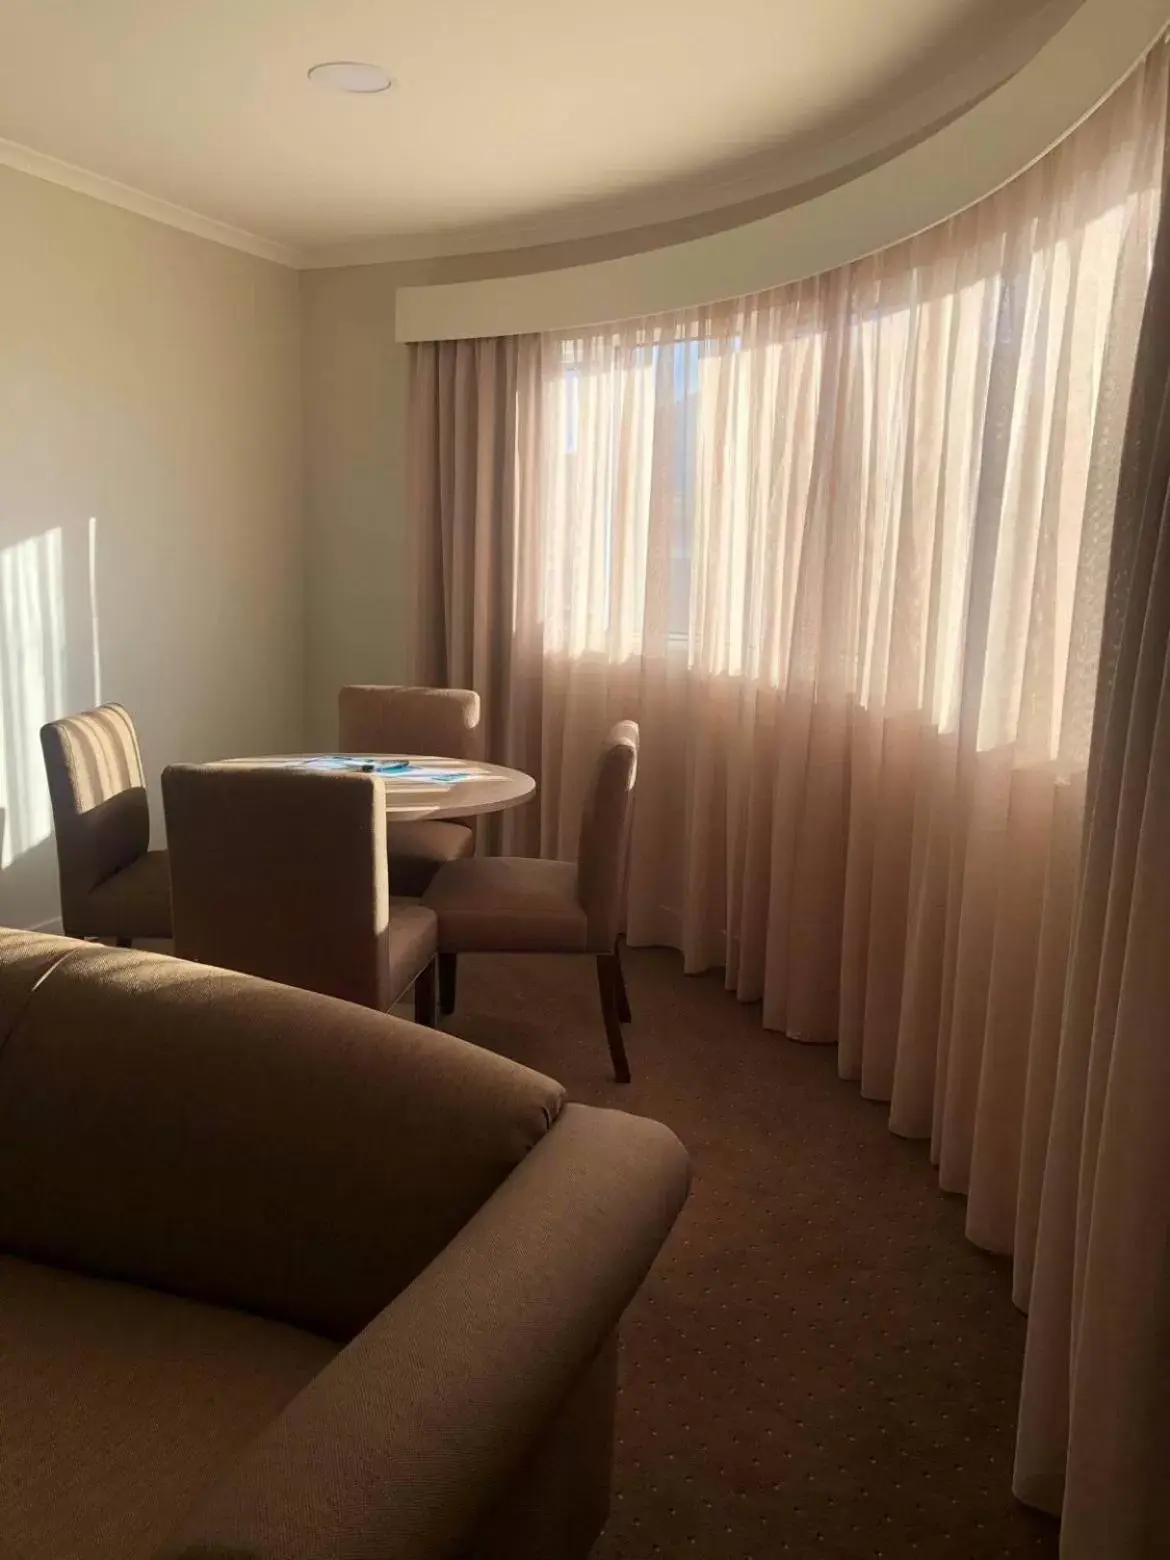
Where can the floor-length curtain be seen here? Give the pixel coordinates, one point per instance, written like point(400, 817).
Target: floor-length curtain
point(462, 490)
point(842, 550)
point(474, 444)
point(1095, 1406)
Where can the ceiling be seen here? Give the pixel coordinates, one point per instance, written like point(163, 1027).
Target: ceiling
point(510, 121)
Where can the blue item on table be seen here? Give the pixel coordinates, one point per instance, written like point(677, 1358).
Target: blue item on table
point(355, 764)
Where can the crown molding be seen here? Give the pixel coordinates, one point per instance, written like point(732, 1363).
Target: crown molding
point(40, 166)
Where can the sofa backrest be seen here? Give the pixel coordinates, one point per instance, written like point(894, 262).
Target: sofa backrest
point(236, 1141)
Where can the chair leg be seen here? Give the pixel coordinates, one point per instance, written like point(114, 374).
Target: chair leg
point(424, 997)
point(447, 971)
point(622, 997)
point(608, 978)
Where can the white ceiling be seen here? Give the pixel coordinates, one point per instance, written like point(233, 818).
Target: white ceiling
point(510, 121)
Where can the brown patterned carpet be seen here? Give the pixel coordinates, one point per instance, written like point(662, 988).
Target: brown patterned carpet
point(820, 1364)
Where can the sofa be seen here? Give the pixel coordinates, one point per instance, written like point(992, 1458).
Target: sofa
point(282, 1278)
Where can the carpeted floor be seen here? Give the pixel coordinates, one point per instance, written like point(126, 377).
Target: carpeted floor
point(819, 1364)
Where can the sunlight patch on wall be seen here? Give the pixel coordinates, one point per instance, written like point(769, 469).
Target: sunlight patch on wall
point(32, 683)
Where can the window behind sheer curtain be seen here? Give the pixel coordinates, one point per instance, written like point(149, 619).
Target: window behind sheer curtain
point(891, 484)
point(842, 550)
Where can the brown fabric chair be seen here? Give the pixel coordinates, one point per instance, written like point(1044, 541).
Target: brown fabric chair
point(112, 883)
point(283, 873)
point(435, 722)
point(284, 1278)
point(515, 904)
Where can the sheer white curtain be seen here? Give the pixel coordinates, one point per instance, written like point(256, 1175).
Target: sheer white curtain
point(1095, 1407)
point(842, 550)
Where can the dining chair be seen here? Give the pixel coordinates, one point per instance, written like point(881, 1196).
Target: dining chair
point(517, 904)
point(112, 884)
point(283, 873)
point(432, 722)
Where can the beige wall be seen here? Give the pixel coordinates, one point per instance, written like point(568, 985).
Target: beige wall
point(151, 536)
point(357, 597)
point(360, 589)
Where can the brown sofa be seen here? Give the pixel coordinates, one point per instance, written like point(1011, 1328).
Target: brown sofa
point(282, 1277)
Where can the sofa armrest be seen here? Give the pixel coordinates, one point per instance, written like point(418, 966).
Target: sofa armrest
point(237, 1141)
point(406, 1438)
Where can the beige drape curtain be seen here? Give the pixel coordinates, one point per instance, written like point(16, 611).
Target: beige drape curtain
point(461, 479)
point(475, 562)
point(842, 549)
point(1095, 1407)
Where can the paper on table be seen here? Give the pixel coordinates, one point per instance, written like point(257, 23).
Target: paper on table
point(354, 763)
point(402, 773)
point(417, 774)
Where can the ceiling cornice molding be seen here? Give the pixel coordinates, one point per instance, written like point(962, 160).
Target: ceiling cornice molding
point(972, 156)
point(25, 160)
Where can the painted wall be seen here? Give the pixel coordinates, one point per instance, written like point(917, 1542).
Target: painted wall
point(361, 597)
point(151, 527)
point(358, 600)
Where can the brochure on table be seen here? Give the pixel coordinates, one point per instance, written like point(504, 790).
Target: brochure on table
point(405, 772)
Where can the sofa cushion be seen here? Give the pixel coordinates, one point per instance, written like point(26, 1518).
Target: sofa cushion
point(157, 1117)
point(122, 1405)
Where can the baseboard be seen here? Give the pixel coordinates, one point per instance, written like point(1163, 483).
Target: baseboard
point(53, 924)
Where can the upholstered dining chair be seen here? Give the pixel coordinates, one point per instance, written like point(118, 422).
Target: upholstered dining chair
point(432, 722)
point(435, 722)
point(516, 904)
point(112, 884)
point(282, 873)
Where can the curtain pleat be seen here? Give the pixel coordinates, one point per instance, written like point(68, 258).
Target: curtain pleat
point(1095, 1406)
point(462, 473)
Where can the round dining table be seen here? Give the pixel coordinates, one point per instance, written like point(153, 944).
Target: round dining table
point(418, 786)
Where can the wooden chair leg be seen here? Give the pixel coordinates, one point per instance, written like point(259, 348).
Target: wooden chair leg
point(623, 999)
point(424, 997)
point(448, 965)
point(608, 978)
